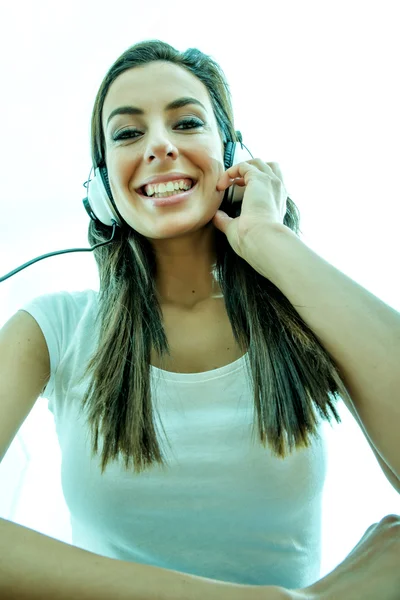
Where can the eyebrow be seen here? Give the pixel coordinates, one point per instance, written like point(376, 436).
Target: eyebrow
point(133, 110)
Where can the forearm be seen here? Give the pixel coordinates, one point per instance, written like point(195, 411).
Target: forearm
point(34, 566)
point(360, 331)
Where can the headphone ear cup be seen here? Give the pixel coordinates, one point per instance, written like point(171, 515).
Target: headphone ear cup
point(228, 156)
point(99, 203)
point(235, 153)
point(106, 182)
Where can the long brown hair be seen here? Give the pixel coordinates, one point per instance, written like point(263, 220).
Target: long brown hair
point(293, 376)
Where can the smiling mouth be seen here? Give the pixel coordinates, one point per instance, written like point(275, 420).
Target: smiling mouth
point(168, 193)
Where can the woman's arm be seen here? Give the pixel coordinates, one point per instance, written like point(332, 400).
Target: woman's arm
point(34, 566)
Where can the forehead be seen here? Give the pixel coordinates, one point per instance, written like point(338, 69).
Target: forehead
point(153, 86)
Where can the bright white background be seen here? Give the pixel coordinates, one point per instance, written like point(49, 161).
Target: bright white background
point(315, 88)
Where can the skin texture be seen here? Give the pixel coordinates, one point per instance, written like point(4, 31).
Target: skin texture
point(182, 235)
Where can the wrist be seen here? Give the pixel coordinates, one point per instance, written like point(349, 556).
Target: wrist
point(230, 591)
point(312, 592)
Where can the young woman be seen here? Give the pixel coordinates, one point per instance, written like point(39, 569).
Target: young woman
point(190, 325)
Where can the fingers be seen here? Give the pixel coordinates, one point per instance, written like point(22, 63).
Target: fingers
point(236, 175)
point(242, 168)
point(223, 184)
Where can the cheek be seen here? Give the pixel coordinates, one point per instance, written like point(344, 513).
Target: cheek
point(211, 162)
point(121, 171)
point(216, 168)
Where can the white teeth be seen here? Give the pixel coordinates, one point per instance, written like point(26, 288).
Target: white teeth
point(166, 194)
point(170, 186)
point(149, 189)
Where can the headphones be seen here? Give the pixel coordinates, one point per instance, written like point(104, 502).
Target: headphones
point(100, 205)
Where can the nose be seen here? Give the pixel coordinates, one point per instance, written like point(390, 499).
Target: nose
point(160, 149)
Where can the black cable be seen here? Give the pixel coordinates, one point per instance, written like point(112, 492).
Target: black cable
point(31, 262)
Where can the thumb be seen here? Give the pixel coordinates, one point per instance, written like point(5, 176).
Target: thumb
point(221, 220)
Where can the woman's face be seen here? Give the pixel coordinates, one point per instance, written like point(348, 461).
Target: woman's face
point(162, 141)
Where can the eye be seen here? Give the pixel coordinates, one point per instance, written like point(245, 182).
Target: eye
point(124, 135)
point(190, 123)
